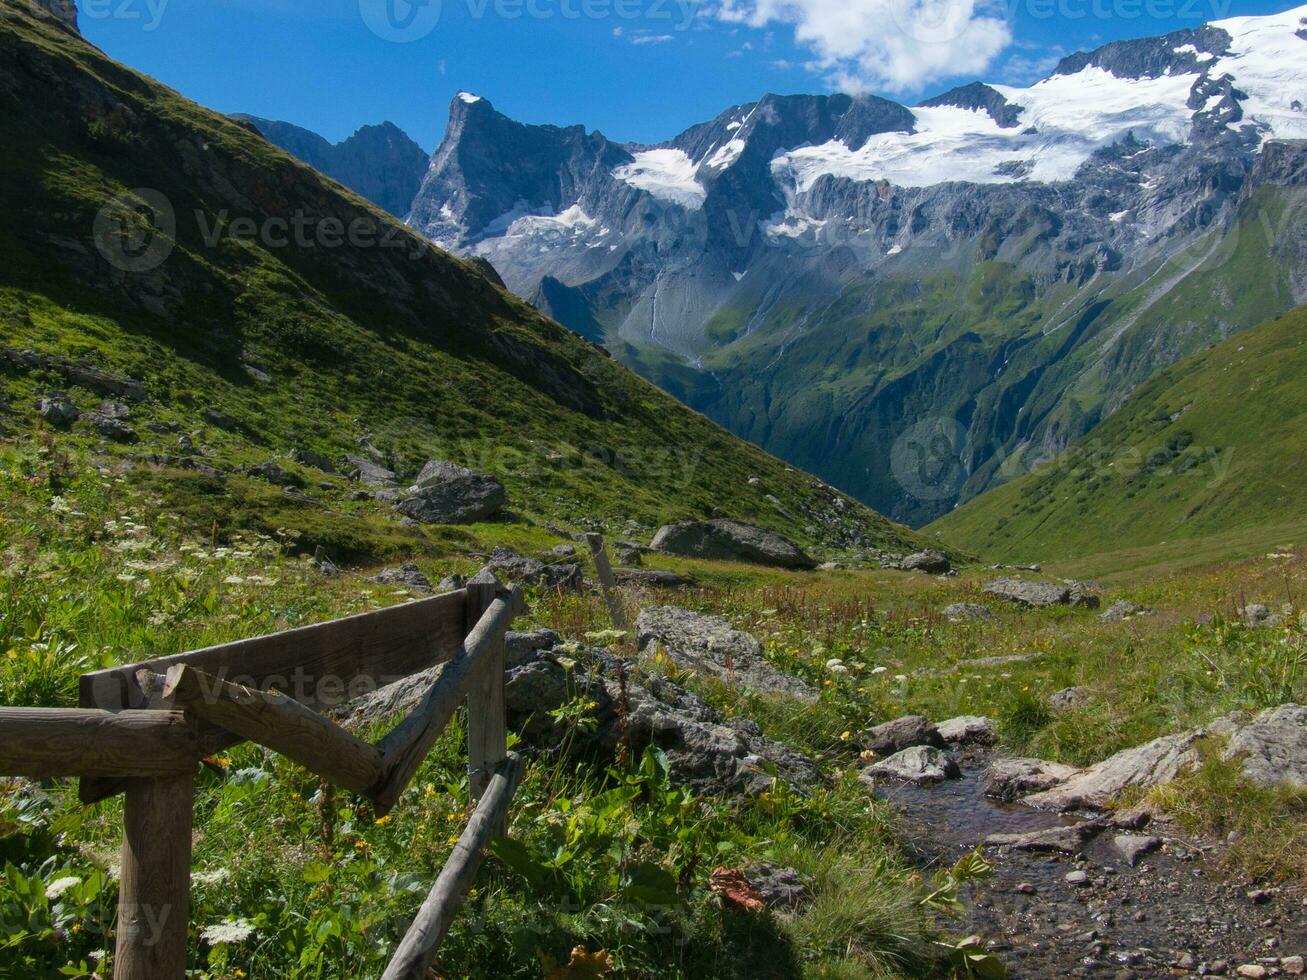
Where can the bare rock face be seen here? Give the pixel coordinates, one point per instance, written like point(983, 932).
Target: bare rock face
point(903, 733)
point(1011, 779)
point(921, 764)
point(1151, 764)
point(446, 493)
point(1273, 747)
point(710, 645)
point(730, 541)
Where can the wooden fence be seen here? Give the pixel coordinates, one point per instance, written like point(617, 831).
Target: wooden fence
point(142, 730)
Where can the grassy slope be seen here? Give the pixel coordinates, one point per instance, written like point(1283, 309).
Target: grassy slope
point(1210, 447)
point(398, 340)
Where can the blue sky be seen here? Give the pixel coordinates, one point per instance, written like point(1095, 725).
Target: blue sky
point(635, 69)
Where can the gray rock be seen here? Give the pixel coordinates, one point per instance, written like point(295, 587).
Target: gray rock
point(1081, 594)
point(1011, 779)
point(323, 565)
point(1135, 847)
point(783, 889)
point(530, 571)
point(651, 578)
point(307, 457)
point(276, 475)
point(903, 733)
point(522, 647)
point(930, 562)
point(111, 428)
point(57, 409)
point(1069, 698)
point(409, 576)
point(1053, 840)
point(1152, 764)
point(1255, 614)
point(451, 583)
point(1077, 879)
point(115, 410)
point(371, 473)
point(972, 729)
point(563, 550)
point(446, 493)
point(221, 420)
point(920, 764)
point(710, 645)
point(1122, 610)
point(968, 610)
point(1273, 747)
point(629, 555)
point(730, 541)
point(1029, 594)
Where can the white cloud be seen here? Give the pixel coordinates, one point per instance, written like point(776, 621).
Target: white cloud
point(899, 45)
point(652, 39)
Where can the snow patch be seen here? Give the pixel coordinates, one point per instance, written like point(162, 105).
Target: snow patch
point(667, 174)
point(468, 98)
point(726, 155)
point(1269, 64)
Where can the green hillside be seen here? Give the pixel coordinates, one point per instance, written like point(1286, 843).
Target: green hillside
point(1212, 445)
point(311, 320)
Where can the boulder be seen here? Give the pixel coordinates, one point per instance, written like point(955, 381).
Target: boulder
point(710, 645)
point(1152, 764)
point(1135, 847)
point(969, 729)
point(903, 733)
point(1273, 747)
point(920, 764)
point(521, 647)
point(1122, 610)
point(307, 457)
point(651, 578)
point(930, 562)
point(783, 889)
point(57, 409)
point(730, 541)
point(629, 555)
point(1081, 595)
point(563, 551)
point(446, 493)
point(1011, 779)
point(1068, 699)
point(371, 473)
point(115, 410)
point(960, 611)
point(1053, 840)
point(530, 571)
point(1029, 594)
point(111, 428)
point(408, 576)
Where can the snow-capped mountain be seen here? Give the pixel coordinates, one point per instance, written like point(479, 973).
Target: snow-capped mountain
point(832, 276)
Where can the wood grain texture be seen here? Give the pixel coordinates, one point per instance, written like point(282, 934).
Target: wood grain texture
point(607, 581)
point(406, 746)
point(280, 723)
point(155, 881)
point(487, 723)
point(416, 950)
point(44, 743)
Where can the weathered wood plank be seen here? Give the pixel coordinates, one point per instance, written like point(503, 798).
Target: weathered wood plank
point(607, 581)
point(487, 725)
point(320, 666)
point(407, 745)
point(155, 881)
point(280, 723)
point(446, 897)
point(44, 743)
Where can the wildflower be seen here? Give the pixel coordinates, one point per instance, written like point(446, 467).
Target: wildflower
point(878, 670)
point(845, 736)
point(901, 678)
point(383, 821)
point(233, 580)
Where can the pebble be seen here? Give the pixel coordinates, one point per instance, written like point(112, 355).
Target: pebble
point(1259, 896)
point(1252, 970)
point(1293, 965)
point(1077, 878)
point(1026, 888)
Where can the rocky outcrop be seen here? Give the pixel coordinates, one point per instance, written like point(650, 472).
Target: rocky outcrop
point(1054, 840)
point(1032, 595)
point(651, 578)
point(1133, 848)
point(1011, 779)
point(969, 729)
point(408, 576)
point(963, 611)
point(371, 473)
point(930, 562)
point(710, 645)
point(903, 733)
point(921, 764)
point(725, 540)
point(532, 571)
point(446, 493)
point(1273, 747)
point(1152, 764)
point(1122, 610)
point(57, 409)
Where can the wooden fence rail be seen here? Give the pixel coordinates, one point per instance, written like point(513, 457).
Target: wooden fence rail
point(143, 729)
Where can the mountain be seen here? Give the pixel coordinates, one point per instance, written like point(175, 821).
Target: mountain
point(1212, 444)
point(274, 322)
point(865, 288)
point(380, 163)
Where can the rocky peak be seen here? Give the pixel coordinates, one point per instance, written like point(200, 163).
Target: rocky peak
point(1178, 53)
point(979, 96)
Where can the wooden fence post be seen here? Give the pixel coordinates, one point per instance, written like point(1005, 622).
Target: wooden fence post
point(155, 883)
point(487, 724)
point(607, 581)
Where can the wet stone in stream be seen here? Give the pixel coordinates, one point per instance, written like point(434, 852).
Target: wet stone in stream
point(1172, 914)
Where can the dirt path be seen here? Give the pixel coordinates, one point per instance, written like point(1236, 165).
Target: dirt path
point(1174, 914)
